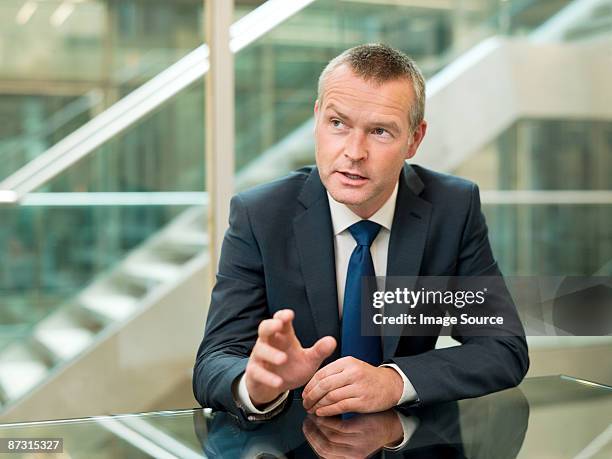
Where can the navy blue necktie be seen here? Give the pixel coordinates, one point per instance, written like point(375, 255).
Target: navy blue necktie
point(366, 348)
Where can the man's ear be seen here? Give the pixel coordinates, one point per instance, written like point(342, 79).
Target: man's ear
point(417, 138)
point(316, 113)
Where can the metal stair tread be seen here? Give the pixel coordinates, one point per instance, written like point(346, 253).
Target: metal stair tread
point(20, 371)
point(114, 306)
point(64, 343)
point(185, 237)
point(148, 269)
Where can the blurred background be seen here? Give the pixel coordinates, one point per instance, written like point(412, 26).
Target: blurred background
point(103, 261)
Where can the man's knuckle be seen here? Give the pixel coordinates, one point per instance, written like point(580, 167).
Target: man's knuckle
point(256, 374)
point(256, 349)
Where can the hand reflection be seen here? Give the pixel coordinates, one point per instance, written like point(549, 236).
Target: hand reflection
point(357, 437)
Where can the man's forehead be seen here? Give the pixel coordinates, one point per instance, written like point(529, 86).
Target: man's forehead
point(343, 73)
point(350, 105)
point(344, 89)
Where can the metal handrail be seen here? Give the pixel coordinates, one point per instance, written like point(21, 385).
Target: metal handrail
point(141, 102)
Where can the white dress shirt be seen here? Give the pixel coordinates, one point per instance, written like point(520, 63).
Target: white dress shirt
point(344, 244)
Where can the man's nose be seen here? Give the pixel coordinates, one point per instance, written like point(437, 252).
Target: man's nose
point(355, 148)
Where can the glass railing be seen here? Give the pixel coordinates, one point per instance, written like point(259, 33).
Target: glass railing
point(163, 152)
point(78, 57)
point(52, 253)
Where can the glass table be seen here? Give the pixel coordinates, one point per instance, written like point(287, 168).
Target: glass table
point(545, 417)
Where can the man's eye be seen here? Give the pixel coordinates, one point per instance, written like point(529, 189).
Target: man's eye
point(336, 122)
point(379, 131)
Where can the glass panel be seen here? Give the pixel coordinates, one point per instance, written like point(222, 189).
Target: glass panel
point(276, 78)
point(545, 155)
point(550, 240)
point(101, 50)
point(555, 236)
point(76, 58)
point(52, 253)
point(163, 152)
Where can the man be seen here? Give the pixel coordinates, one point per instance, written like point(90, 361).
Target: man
point(284, 313)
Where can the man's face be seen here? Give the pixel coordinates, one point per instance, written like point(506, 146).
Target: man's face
point(362, 136)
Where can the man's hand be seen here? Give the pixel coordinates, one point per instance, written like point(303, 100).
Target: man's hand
point(351, 385)
point(357, 437)
point(278, 361)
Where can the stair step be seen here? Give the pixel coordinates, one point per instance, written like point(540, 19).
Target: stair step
point(63, 337)
point(20, 371)
point(115, 307)
point(149, 269)
point(186, 237)
point(127, 285)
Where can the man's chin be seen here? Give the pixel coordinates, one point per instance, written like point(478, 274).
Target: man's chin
point(347, 198)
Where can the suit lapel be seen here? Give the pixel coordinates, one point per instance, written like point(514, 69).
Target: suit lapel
point(315, 242)
point(408, 236)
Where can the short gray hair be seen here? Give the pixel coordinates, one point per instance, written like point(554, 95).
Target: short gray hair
point(381, 63)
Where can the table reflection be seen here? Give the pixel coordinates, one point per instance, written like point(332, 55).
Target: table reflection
point(552, 417)
point(493, 426)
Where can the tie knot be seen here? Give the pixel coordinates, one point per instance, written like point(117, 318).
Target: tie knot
point(364, 232)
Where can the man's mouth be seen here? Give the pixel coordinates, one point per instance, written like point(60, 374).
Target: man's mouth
point(352, 176)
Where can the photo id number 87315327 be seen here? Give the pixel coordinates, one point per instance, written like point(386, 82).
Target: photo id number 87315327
point(31, 445)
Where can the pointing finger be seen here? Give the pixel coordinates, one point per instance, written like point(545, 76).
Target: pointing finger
point(268, 327)
point(269, 354)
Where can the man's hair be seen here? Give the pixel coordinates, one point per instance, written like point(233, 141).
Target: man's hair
point(381, 63)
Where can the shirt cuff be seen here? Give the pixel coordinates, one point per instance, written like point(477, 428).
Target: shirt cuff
point(244, 400)
point(409, 426)
point(409, 394)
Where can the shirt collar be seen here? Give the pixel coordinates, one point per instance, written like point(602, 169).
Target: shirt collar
point(343, 217)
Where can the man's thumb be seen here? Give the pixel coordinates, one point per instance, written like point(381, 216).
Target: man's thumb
point(323, 348)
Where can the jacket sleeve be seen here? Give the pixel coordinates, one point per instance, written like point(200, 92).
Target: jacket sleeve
point(238, 305)
point(485, 362)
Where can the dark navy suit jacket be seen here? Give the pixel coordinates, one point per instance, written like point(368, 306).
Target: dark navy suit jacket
point(279, 253)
